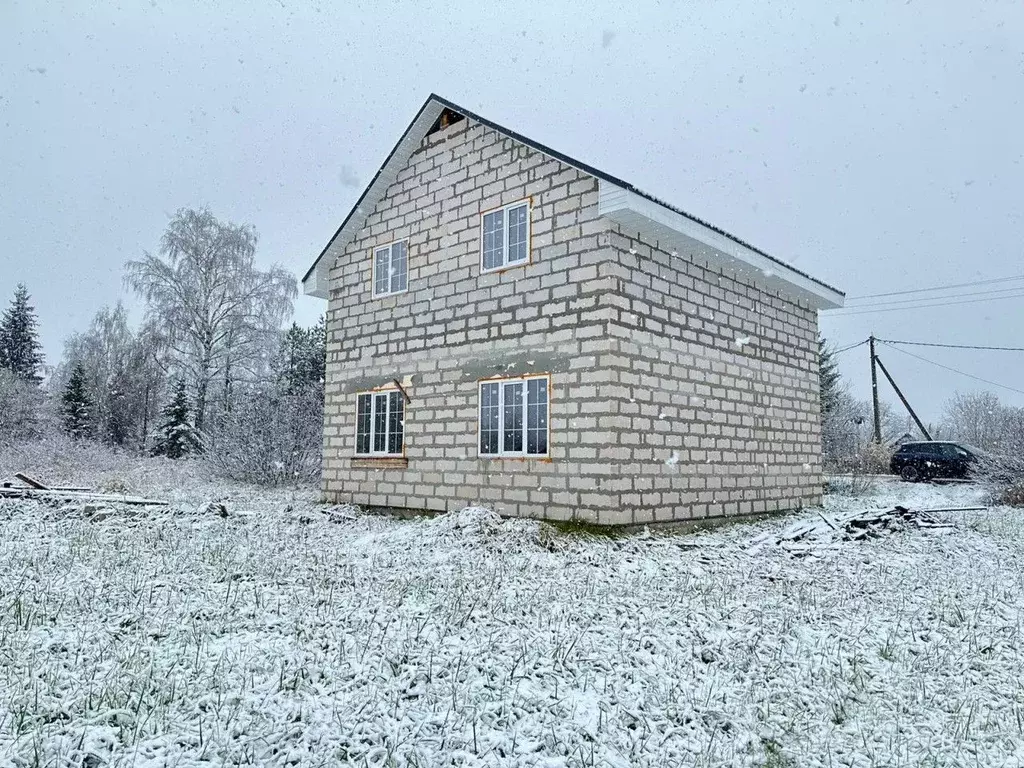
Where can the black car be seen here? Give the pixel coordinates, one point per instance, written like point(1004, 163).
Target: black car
point(935, 459)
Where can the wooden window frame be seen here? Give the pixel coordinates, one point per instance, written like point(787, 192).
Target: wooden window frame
point(501, 381)
point(528, 203)
point(373, 268)
point(373, 394)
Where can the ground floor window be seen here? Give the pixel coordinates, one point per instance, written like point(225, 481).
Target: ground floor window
point(380, 423)
point(514, 417)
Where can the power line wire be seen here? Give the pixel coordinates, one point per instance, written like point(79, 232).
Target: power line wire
point(937, 288)
point(949, 346)
point(907, 302)
point(841, 313)
point(848, 348)
point(954, 370)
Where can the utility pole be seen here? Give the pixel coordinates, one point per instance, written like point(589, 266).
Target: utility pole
point(906, 404)
point(874, 390)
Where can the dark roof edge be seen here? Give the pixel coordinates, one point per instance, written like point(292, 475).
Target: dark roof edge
point(589, 169)
point(369, 186)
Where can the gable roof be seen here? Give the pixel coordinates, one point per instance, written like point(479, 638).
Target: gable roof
point(618, 200)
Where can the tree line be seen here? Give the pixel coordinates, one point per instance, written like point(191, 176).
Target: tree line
point(208, 371)
point(978, 419)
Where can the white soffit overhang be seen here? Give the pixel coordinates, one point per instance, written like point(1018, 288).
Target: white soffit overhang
point(618, 201)
point(673, 231)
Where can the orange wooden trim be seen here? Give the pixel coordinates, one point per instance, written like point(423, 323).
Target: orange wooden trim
point(528, 199)
point(386, 387)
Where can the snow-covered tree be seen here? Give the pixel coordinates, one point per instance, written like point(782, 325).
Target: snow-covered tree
point(123, 375)
point(273, 433)
point(176, 437)
point(220, 312)
point(977, 418)
point(20, 350)
point(76, 405)
point(271, 437)
point(828, 376)
point(303, 357)
point(23, 413)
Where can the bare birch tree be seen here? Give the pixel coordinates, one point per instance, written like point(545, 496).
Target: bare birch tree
point(221, 314)
point(977, 418)
point(123, 375)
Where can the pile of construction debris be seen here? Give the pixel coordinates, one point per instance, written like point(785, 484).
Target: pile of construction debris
point(26, 487)
point(811, 533)
point(865, 525)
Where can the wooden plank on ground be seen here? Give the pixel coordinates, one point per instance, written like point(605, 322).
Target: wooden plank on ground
point(30, 481)
point(110, 498)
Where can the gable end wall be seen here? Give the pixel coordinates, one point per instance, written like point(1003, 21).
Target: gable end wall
point(456, 325)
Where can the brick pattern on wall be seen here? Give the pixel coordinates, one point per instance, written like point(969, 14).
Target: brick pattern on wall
point(658, 412)
point(436, 204)
point(444, 469)
point(456, 325)
point(716, 388)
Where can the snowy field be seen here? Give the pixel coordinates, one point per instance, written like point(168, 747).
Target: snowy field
point(287, 634)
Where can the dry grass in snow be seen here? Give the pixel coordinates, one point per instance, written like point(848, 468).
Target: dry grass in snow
point(294, 636)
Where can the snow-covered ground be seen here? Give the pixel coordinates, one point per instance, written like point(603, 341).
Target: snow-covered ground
point(285, 634)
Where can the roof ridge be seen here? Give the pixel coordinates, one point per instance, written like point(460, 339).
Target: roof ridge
point(588, 169)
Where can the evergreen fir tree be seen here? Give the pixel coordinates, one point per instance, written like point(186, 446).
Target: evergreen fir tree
point(20, 350)
point(303, 357)
point(76, 407)
point(828, 377)
point(176, 437)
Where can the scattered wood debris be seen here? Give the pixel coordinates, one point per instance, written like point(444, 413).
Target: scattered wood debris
point(860, 525)
point(31, 488)
point(59, 495)
point(31, 482)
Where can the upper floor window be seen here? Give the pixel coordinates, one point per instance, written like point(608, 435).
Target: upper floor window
point(505, 236)
point(380, 423)
point(514, 417)
point(391, 269)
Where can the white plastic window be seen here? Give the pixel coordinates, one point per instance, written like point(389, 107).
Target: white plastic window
point(391, 269)
point(505, 237)
point(514, 417)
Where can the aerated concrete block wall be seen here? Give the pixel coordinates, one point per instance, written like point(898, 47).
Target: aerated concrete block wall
point(456, 325)
point(716, 384)
point(657, 412)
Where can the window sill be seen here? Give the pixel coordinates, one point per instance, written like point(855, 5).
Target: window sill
point(389, 295)
point(504, 267)
point(514, 457)
point(379, 462)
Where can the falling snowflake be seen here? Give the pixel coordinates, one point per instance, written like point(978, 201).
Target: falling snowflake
point(348, 177)
point(673, 459)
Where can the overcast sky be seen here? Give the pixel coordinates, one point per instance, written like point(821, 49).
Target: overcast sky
point(878, 146)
